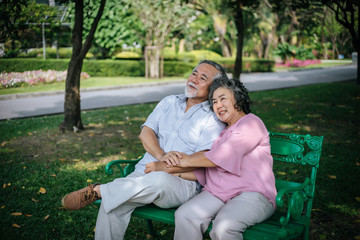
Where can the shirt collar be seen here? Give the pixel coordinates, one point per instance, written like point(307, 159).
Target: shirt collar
point(205, 105)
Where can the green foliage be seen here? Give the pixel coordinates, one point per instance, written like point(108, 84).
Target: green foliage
point(94, 67)
point(287, 51)
point(117, 27)
point(248, 65)
point(127, 55)
point(131, 67)
point(14, 25)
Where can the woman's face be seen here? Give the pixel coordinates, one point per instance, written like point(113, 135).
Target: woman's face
point(223, 105)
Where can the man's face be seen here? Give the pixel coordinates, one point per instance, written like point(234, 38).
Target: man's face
point(200, 80)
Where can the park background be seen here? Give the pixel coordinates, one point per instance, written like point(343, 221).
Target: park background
point(146, 41)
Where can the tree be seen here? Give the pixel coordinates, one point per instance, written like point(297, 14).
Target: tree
point(345, 13)
point(20, 21)
point(118, 26)
point(159, 19)
point(72, 109)
point(233, 9)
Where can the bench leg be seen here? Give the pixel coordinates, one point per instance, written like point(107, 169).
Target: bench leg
point(151, 229)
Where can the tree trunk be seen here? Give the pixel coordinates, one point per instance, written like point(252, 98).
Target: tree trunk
point(240, 39)
point(358, 49)
point(72, 110)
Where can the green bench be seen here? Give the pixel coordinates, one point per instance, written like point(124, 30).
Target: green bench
point(294, 199)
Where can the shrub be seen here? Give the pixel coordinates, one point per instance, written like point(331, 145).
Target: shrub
point(127, 55)
point(248, 65)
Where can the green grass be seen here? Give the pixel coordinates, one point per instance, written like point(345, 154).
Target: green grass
point(33, 154)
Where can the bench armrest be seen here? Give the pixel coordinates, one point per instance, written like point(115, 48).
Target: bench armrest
point(125, 166)
point(294, 198)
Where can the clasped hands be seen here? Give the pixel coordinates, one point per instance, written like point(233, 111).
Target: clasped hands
point(166, 162)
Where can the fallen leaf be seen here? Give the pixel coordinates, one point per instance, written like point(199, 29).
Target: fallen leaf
point(46, 217)
point(36, 155)
point(53, 175)
point(281, 173)
point(357, 199)
point(89, 180)
point(4, 185)
point(34, 200)
point(76, 160)
point(15, 225)
point(3, 206)
point(357, 164)
point(27, 215)
point(295, 171)
point(3, 144)
point(42, 190)
point(16, 214)
point(98, 153)
point(62, 159)
point(24, 167)
point(29, 133)
point(357, 237)
point(332, 176)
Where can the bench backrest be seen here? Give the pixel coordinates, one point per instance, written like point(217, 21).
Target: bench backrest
point(298, 149)
point(304, 150)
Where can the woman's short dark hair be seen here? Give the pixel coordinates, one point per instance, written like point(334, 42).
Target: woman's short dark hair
point(241, 95)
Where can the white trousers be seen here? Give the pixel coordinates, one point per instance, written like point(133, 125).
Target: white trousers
point(123, 195)
point(229, 219)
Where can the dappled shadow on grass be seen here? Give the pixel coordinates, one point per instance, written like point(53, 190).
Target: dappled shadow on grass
point(39, 156)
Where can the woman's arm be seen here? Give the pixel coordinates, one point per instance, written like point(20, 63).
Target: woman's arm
point(197, 159)
point(186, 175)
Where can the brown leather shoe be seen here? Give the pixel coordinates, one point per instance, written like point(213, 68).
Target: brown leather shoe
point(81, 198)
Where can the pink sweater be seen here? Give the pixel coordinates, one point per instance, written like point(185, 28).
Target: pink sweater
point(243, 159)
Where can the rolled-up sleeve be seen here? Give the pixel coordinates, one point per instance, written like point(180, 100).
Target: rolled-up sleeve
point(154, 118)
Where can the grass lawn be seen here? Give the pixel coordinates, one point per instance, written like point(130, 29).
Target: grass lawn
point(38, 164)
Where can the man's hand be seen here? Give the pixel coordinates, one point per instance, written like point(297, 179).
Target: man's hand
point(179, 161)
point(171, 158)
point(155, 166)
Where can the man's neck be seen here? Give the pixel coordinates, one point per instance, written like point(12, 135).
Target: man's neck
point(193, 101)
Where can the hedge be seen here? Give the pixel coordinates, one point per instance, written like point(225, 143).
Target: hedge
point(125, 67)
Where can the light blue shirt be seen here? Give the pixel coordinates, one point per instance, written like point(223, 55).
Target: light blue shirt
point(177, 130)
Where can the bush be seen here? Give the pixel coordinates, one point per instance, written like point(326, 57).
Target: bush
point(93, 67)
point(248, 65)
point(126, 67)
point(127, 55)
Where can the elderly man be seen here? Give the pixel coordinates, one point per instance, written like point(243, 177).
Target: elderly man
point(182, 123)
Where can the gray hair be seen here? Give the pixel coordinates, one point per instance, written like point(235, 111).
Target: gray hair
point(221, 70)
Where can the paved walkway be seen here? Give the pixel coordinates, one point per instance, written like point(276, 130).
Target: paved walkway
point(37, 104)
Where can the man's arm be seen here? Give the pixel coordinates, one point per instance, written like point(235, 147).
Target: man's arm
point(151, 145)
point(150, 142)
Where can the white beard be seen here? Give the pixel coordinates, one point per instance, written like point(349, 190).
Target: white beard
point(189, 92)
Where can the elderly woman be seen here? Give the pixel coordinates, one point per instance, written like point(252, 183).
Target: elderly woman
point(236, 174)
